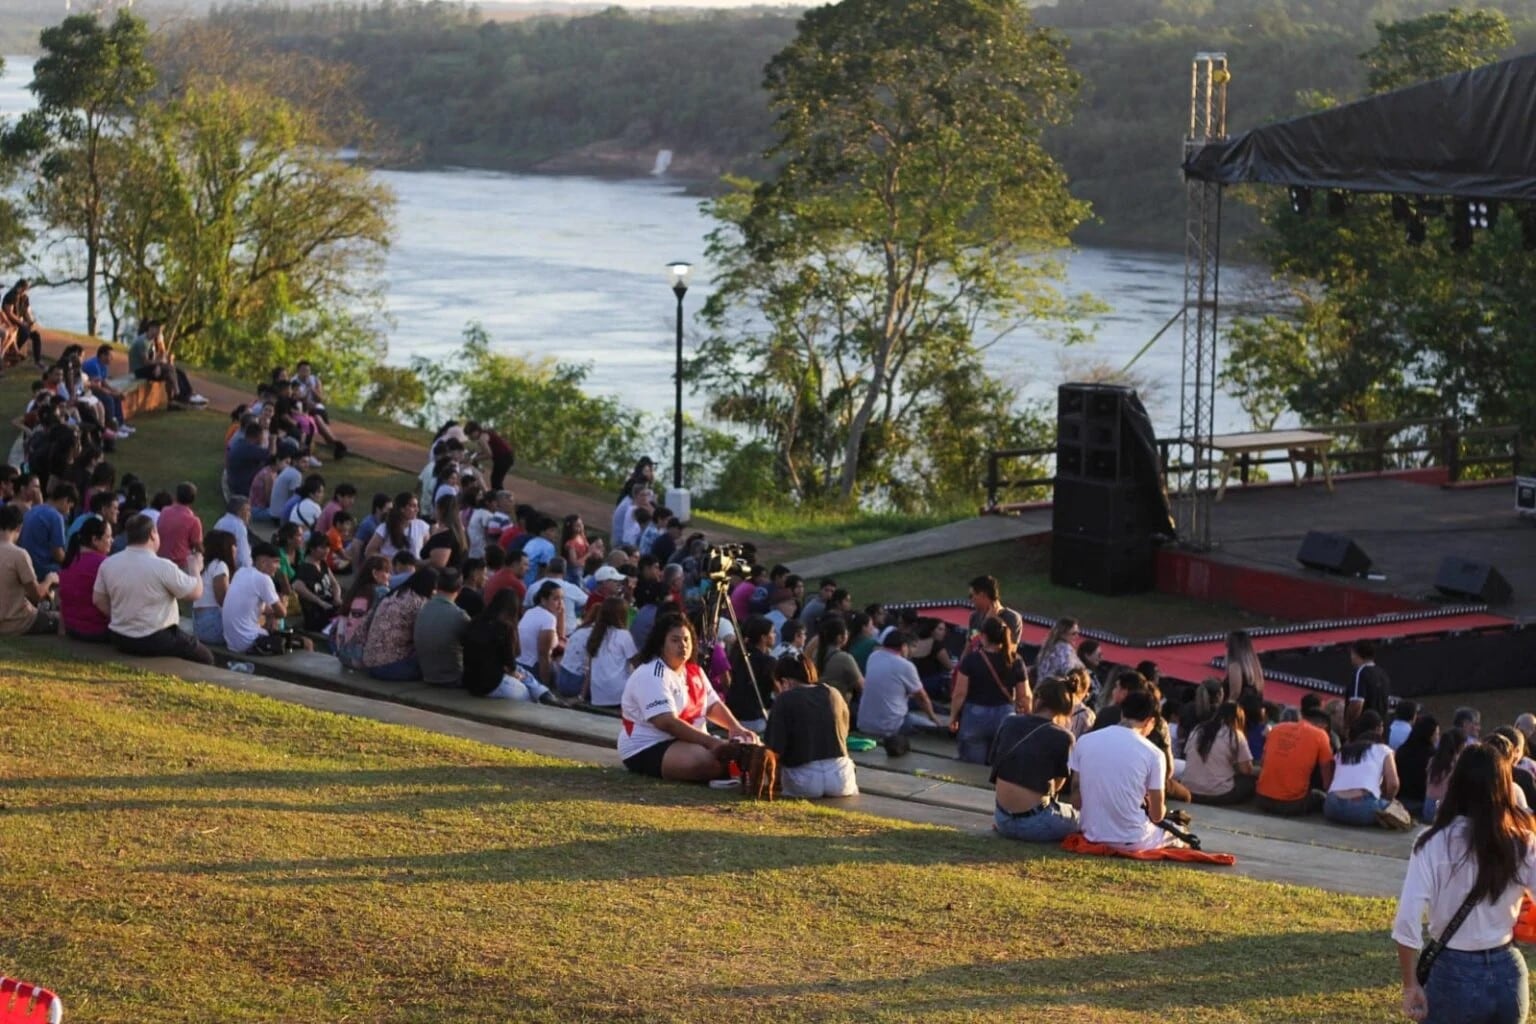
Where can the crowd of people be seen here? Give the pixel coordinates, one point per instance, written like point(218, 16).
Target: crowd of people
point(696, 648)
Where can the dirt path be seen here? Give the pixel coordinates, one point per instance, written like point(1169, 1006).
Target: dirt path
point(389, 451)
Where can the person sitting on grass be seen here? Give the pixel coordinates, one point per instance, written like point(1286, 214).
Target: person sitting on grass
point(1452, 742)
point(20, 589)
point(1029, 768)
point(490, 655)
point(1218, 767)
point(1058, 652)
point(666, 706)
point(1365, 779)
point(751, 692)
point(808, 730)
point(43, 528)
point(1298, 768)
point(149, 358)
point(253, 612)
point(389, 651)
point(236, 522)
point(1412, 758)
point(137, 590)
point(87, 549)
point(180, 528)
point(890, 690)
point(219, 567)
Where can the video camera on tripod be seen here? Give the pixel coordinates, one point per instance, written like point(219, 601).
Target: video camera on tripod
point(723, 558)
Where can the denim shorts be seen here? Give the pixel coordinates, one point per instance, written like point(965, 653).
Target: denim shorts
point(1485, 986)
point(978, 725)
point(1360, 810)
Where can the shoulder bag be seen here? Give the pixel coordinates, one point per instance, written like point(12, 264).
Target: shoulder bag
point(1432, 949)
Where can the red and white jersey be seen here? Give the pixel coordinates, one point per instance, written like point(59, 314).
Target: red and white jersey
point(654, 689)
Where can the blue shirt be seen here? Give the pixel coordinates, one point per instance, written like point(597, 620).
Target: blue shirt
point(366, 530)
point(243, 463)
point(93, 369)
point(41, 531)
point(539, 551)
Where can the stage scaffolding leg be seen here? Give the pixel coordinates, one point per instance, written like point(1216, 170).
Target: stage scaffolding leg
point(1194, 478)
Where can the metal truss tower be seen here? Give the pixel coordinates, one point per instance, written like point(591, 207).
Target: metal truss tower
point(1208, 80)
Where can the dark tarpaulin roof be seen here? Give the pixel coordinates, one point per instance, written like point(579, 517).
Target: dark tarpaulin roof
point(1471, 134)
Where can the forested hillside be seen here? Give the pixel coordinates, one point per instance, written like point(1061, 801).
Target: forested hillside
point(605, 92)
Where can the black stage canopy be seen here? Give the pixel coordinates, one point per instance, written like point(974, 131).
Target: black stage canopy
point(1470, 135)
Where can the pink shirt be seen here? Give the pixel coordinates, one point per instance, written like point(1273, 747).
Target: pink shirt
point(76, 581)
point(179, 530)
point(323, 524)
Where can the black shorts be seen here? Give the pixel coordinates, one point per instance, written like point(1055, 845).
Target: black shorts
point(648, 761)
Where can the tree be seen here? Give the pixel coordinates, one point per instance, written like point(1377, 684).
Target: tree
point(914, 201)
point(229, 220)
point(88, 82)
point(1373, 327)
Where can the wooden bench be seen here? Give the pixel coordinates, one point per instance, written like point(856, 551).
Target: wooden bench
point(1298, 445)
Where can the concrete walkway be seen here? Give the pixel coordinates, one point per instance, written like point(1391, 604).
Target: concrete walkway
point(926, 786)
point(939, 540)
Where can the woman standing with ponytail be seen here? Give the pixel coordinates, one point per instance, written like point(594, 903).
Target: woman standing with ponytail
point(1468, 871)
point(989, 684)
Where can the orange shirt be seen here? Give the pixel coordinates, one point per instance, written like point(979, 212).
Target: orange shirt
point(1291, 751)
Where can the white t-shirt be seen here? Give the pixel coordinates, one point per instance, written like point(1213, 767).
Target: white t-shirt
point(484, 525)
point(249, 592)
point(1116, 768)
point(535, 621)
point(653, 689)
point(610, 668)
point(575, 659)
point(415, 534)
point(142, 589)
point(1365, 773)
point(212, 571)
point(306, 513)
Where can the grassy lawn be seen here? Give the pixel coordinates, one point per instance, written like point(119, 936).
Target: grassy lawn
point(177, 852)
point(795, 533)
point(1022, 570)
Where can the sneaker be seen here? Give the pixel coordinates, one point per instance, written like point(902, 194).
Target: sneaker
point(313, 462)
point(1394, 816)
point(196, 399)
point(124, 430)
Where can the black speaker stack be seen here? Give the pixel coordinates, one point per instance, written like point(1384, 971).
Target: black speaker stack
point(1110, 505)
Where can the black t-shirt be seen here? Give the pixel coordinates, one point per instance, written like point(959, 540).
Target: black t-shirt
point(472, 601)
point(1370, 686)
point(1413, 768)
point(319, 583)
point(444, 539)
point(984, 690)
point(664, 547)
point(739, 697)
point(486, 652)
point(1030, 751)
point(808, 723)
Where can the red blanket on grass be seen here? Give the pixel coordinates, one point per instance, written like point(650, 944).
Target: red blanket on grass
point(1075, 843)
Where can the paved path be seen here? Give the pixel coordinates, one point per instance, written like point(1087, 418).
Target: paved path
point(926, 786)
point(939, 540)
point(387, 450)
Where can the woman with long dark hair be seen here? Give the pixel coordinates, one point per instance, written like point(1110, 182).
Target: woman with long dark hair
point(87, 549)
point(834, 665)
point(1243, 671)
point(401, 530)
point(610, 650)
point(1365, 781)
point(1452, 742)
point(1218, 766)
point(219, 567)
point(389, 651)
point(667, 705)
point(1473, 863)
point(987, 689)
point(808, 730)
point(1058, 652)
point(1413, 761)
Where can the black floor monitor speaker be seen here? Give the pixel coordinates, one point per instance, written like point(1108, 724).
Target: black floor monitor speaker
point(1332, 552)
point(1474, 581)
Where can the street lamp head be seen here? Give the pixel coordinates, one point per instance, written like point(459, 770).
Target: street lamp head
point(677, 275)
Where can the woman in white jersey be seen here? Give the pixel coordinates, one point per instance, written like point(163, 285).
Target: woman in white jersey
point(667, 706)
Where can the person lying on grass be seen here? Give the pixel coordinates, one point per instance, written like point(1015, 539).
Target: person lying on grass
point(667, 705)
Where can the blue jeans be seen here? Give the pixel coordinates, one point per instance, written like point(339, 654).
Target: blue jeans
point(208, 625)
point(407, 670)
point(1051, 822)
point(567, 684)
point(1360, 810)
point(1484, 987)
point(978, 725)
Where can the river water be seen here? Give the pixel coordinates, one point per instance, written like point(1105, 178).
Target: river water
point(575, 267)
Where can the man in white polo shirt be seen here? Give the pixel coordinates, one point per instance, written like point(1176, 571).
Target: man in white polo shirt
point(137, 591)
point(1117, 780)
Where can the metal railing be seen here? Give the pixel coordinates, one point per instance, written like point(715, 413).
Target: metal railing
point(1376, 447)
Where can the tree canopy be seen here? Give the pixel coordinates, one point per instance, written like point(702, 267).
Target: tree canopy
point(913, 200)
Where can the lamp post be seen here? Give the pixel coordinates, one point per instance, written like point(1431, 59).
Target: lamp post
point(678, 274)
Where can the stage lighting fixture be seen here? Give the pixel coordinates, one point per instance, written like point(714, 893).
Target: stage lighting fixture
point(1482, 213)
point(1338, 204)
point(1301, 201)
